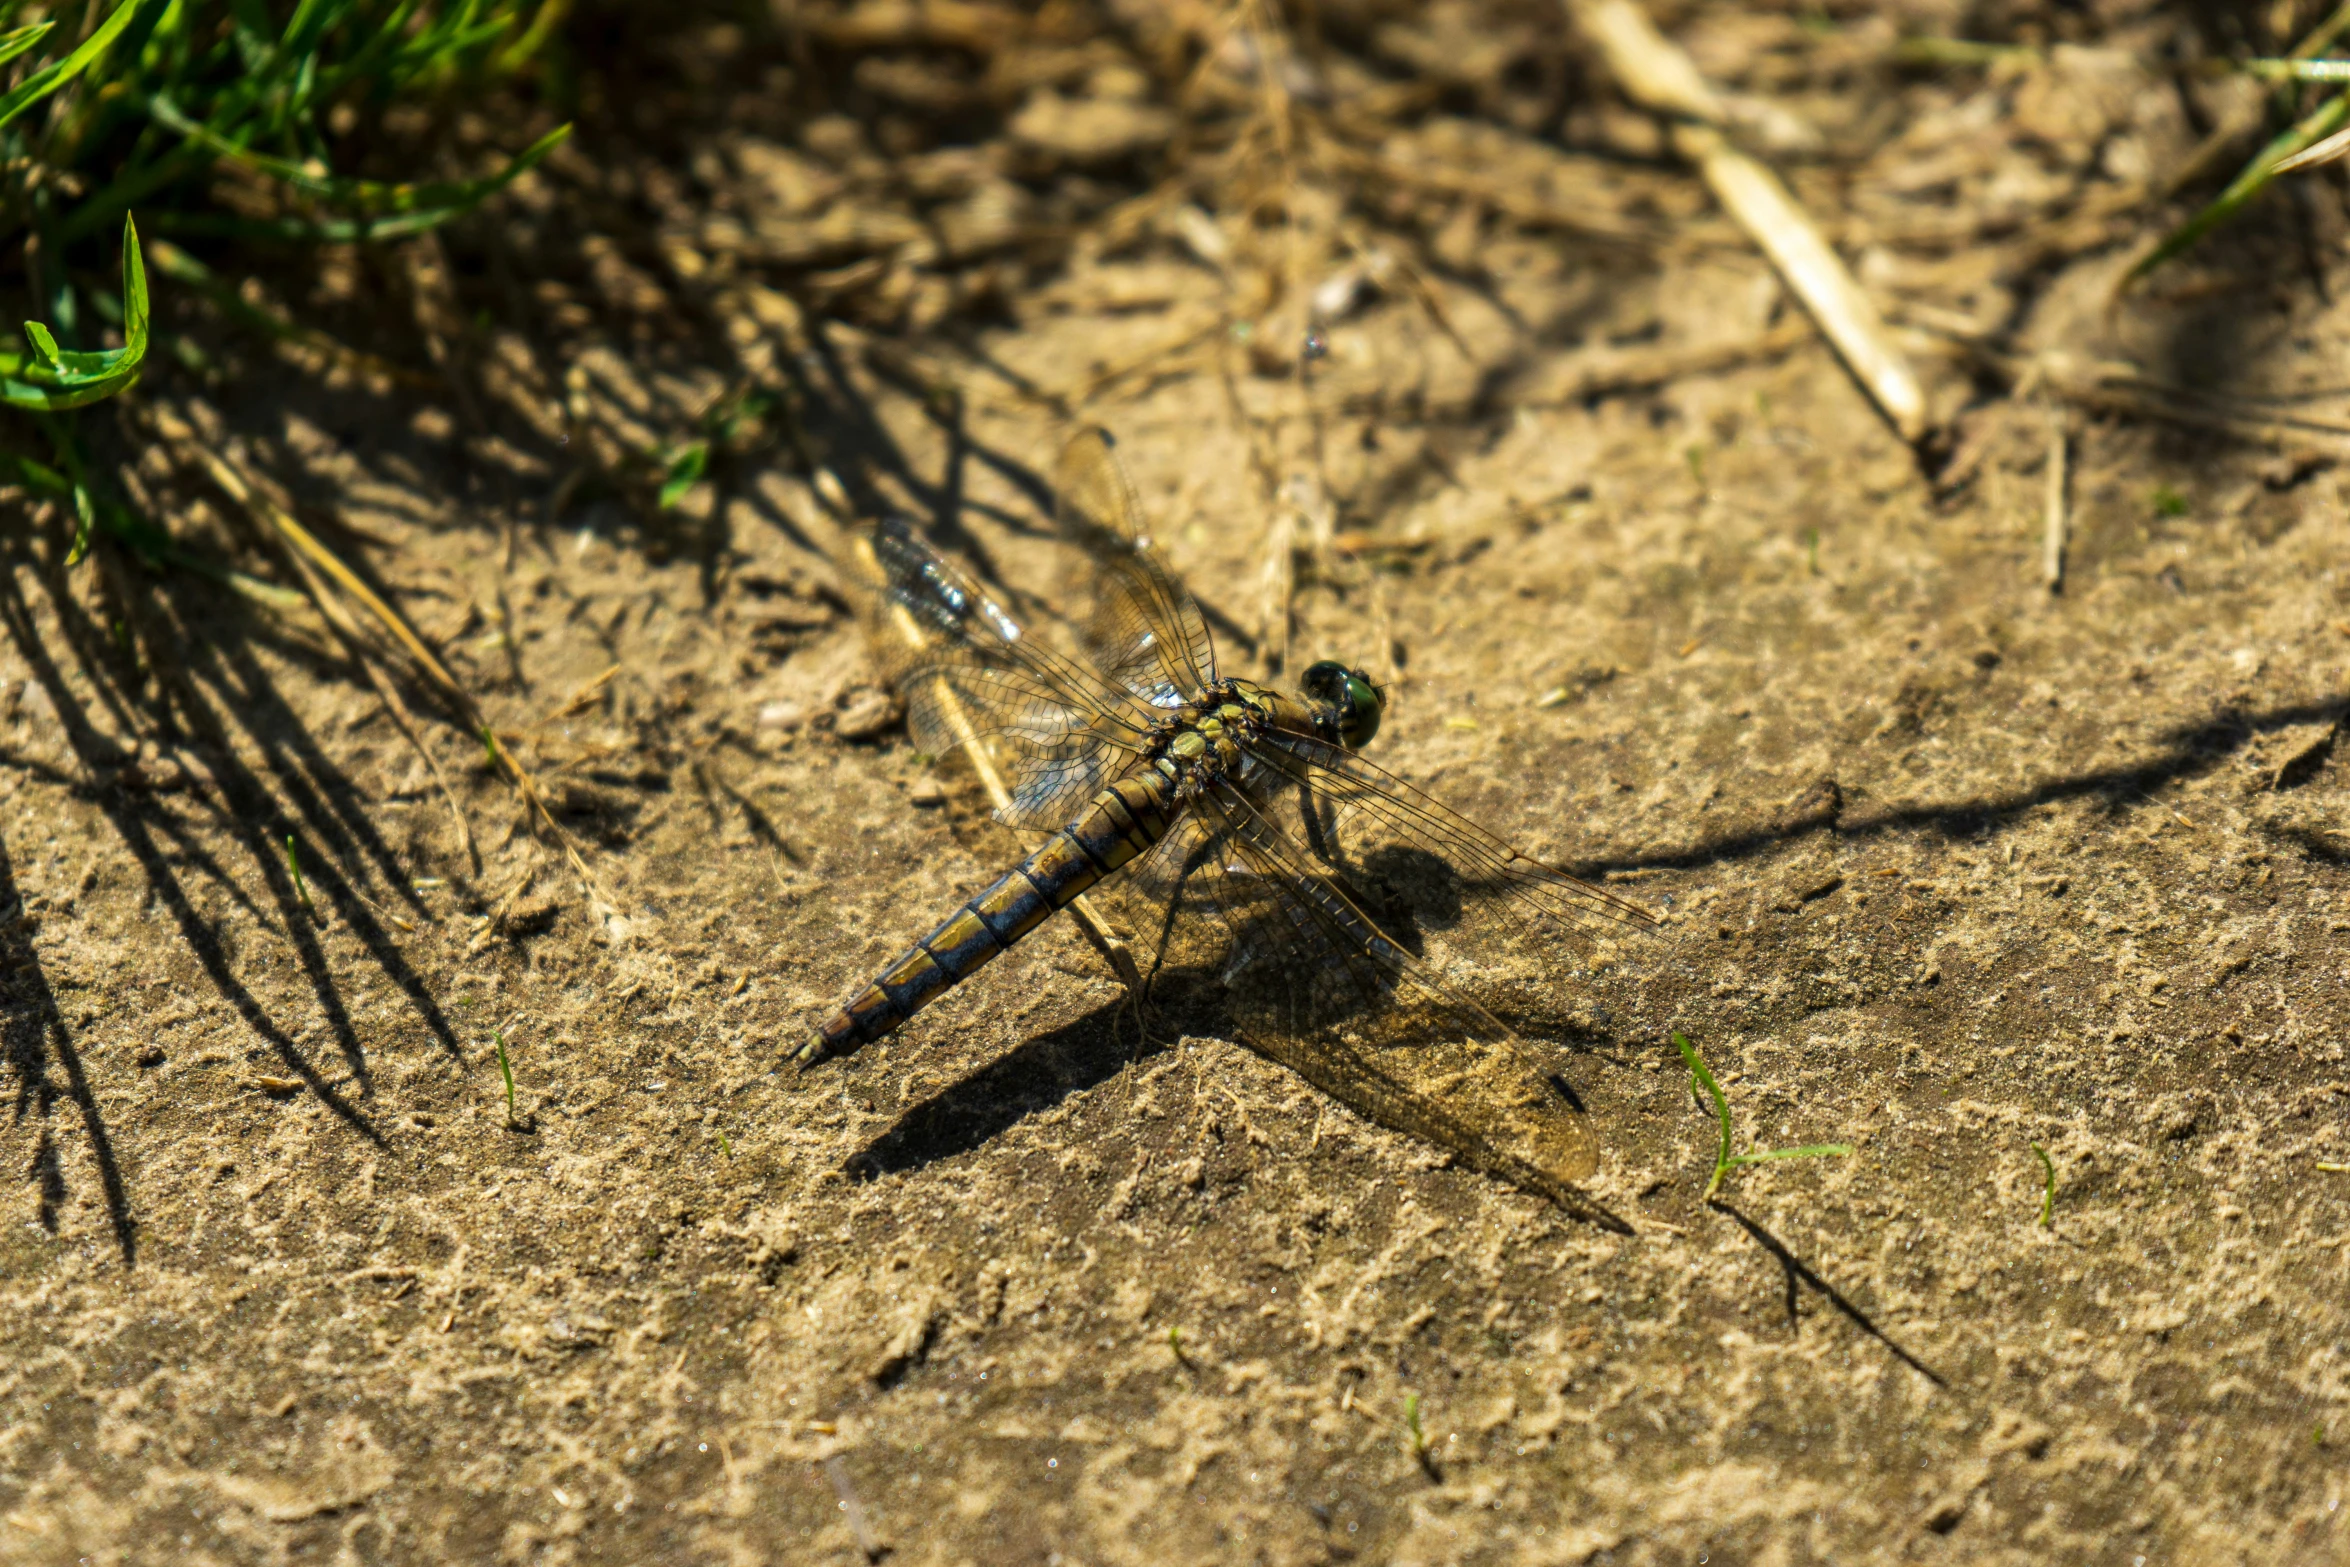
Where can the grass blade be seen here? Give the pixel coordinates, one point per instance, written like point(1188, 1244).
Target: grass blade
point(542, 27)
point(2318, 124)
point(50, 379)
point(1699, 1074)
point(49, 78)
point(384, 210)
point(2048, 1188)
point(683, 473)
point(294, 866)
point(16, 42)
point(1725, 1161)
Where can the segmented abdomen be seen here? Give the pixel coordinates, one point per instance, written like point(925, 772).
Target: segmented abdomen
point(1123, 821)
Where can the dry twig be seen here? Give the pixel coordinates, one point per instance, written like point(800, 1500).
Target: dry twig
point(1661, 78)
point(328, 579)
point(2053, 538)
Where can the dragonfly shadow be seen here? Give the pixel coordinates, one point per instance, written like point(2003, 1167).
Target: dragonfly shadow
point(1033, 1076)
point(1799, 1275)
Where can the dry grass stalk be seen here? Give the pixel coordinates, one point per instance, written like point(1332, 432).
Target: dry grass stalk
point(1661, 78)
point(2055, 517)
point(328, 579)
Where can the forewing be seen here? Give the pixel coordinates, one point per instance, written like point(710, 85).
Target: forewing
point(1465, 878)
point(1308, 978)
point(1145, 631)
point(971, 676)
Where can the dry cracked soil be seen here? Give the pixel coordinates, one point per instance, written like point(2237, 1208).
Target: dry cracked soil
point(1954, 869)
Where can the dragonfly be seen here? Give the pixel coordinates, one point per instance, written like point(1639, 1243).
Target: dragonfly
point(1351, 927)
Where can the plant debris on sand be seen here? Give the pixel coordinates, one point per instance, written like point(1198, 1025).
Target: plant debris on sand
point(444, 773)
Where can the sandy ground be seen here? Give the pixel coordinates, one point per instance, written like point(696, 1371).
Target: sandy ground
point(1953, 867)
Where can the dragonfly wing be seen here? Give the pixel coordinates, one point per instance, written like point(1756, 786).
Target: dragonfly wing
point(1307, 978)
point(971, 676)
point(1360, 815)
point(1145, 632)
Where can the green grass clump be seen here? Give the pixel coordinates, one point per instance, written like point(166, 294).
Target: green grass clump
point(1724, 1160)
point(163, 106)
point(2048, 1187)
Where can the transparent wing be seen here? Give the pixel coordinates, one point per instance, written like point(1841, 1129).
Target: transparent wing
point(1384, 829)
point(1145, 631)
point(1055, 729)
point(1306, 976)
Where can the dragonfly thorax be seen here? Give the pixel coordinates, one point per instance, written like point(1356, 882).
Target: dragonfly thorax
point(1203, 740)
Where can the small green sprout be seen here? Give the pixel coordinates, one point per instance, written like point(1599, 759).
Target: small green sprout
point(2048, 1188)
point(682, 472)
point(724, 1146)
point(1418, 1446)
point(2170, 502)
point(505, 1070)
point(1724, 1160)
point(1694, 455)
point(294, 866)
point(1175, 1345)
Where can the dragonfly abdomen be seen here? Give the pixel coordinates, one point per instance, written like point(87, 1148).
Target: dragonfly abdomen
point(1123, 821)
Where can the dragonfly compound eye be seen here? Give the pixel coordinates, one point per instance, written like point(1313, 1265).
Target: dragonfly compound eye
point(1350, 705)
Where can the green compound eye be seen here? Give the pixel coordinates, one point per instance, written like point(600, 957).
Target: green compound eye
point(1362, 712)
point(1350, 705)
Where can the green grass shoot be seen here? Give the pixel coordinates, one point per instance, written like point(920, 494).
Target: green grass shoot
point(682, 472)
point(2256, 176)
point(2170, 502)
point(505, 1070)
point(1724, 1160)
point(2047, 1187)
point(724, 1146)
point(1417, 1437)
point(294, 868)
point(1175, 1345)
point(130, 105)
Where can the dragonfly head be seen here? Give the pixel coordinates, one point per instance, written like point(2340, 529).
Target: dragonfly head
point(1346, 704)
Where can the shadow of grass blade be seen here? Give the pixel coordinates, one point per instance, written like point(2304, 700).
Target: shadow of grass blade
point(180, 267)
